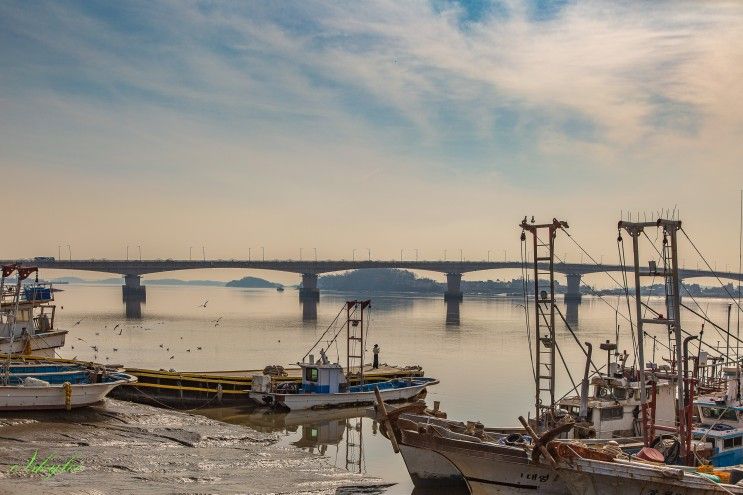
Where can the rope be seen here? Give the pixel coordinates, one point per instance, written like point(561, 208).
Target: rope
point(67, 395)
point(166, 406)
point(525, 282)
point(711, 270)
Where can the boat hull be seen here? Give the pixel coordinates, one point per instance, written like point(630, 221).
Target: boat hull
point(487, 469)
point(587, 477)
point(17, 398)
point(41, 344)
point(430, 469)
point(298, 402)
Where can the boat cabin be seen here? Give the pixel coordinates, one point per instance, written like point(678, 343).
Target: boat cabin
point(35, 310)
point(322, 378)
point(614, 406)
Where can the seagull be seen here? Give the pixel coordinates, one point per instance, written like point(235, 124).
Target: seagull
point(94, 347)
point(117, 326)
point(77, 323)
point(198, 348)
point(188, 350)
point(218, 319)
point(115, 349)
point(167, 349)
point(171, 357)
point(203, 305)
point(73, 347)
point(97, 333)
point(78, 338)
point(161, 346)
point(121, 331)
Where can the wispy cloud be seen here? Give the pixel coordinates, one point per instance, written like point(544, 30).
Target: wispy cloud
point(244, 102)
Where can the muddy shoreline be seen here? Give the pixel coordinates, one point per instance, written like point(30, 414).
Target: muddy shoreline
point(124, 447)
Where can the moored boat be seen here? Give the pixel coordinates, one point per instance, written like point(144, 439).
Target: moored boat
point(53, 385)
point(27, 315)
point(325, 385)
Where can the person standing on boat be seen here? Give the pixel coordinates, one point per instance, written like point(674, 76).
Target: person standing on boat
point(375, 350)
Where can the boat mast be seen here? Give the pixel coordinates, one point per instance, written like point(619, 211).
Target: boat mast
point(355, 333)
point(672, 321)
point(544, 312)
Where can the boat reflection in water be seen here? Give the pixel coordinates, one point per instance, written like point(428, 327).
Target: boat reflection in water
point(314, 431)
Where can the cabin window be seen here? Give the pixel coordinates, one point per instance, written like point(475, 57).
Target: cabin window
point(612, 412)
point(719, 413)
point(728, 443)
point(620, 393)
point(737, 441)
point(310, 374)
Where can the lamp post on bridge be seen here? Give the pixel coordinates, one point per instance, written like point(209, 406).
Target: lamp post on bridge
point(315, 254)
point(263, 253)
point(461, 256)
point(69, 250)
point(127, 252)
point(369, 250)
point(300, 254)
point(203, 252)
point(444, 254)
point(249, 254)
point(59, 251)
point(488, 255)
point(401, 256)
point(190, 250)
point(140, 252)
point(353, 255)
point(416, 254)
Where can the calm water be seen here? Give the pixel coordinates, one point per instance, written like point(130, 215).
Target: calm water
point(477, 349)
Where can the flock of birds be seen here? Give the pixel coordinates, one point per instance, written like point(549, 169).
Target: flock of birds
point(121, 327)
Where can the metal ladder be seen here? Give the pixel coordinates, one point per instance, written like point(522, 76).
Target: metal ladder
point(355, 323)
point(543, 241)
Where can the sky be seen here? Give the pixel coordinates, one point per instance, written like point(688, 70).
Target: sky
point(387, 125)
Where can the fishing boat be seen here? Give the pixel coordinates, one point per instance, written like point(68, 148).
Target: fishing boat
point(325, 385)
point(27, 315)
point(694, 458)
point(45, 385)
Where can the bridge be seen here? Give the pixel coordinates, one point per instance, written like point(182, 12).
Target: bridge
point(132, 271)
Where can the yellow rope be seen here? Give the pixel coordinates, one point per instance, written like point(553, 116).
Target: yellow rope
point(67, 395)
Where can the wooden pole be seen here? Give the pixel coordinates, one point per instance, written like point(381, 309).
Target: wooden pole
point(382, 413)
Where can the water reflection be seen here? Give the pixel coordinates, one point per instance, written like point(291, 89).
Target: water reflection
point(133, 307)
point(337, 434)
point(309, 309)
point(452, 312)
point(571, 312)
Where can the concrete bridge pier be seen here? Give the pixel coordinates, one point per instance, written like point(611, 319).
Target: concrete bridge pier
point(573, 294)
point(453, 287)
point(133, 290)
point(309, 290)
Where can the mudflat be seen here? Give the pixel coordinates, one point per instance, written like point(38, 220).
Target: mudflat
point(121, 447)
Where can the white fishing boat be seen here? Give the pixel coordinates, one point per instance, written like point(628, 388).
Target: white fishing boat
point(55, 385)
point(325, 385)
point(27, 315)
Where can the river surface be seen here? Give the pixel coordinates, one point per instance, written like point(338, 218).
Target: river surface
point(478, 349)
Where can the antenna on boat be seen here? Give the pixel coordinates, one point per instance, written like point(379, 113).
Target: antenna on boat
point(544, 322)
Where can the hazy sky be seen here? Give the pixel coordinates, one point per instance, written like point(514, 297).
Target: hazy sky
point(385, 125)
